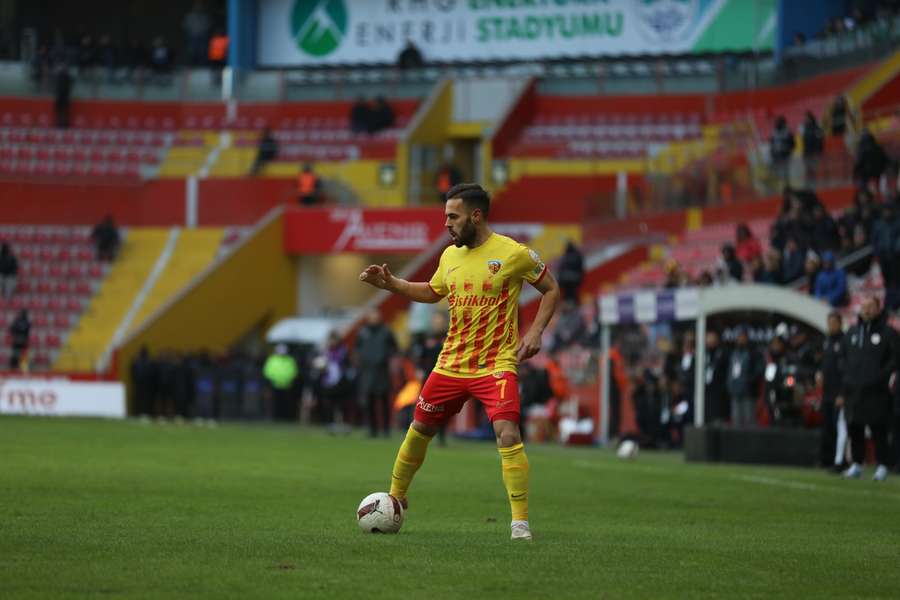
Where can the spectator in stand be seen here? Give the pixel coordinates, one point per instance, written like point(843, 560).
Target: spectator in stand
point(871, 159)
point(747, 247)
point(792, 262)
point(811, 269)
point(106, 57)
point(744, 371)
point(19, 332)
point(161, 59)
point(839, 118)
point(309, 188)
point(857, 243)
point(813, 147)
point(40, 66)
point(831, 283)
point(825, 234)
point(382, 116)
point(758, 270)
point(771, 273)
point(217, 53)
point(87, 57)
point(705, 280)
point(137, 60)
point(886, 246)
point(62, 95)
point(571, 272)
point(447, 177)
point(375, 346)
point(716, 377)
point(266, 151)
point(106, 238)
point(871, 359)
point(196, 25)
point(830, 377)
point(9, 270)
point(781, 146)
point(410, 57)
point(360, 116)
point(729, 265)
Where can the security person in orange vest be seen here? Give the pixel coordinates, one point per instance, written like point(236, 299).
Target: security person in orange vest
point(308, 185)
point(447, 177)
point(218, 52)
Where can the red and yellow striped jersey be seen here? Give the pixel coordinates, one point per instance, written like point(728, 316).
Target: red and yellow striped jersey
point(482, 286)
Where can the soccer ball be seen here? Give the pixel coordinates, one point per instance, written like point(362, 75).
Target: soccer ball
point(379, 513)
point(628, 450)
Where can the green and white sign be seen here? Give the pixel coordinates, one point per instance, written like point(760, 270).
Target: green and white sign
point(309, 32)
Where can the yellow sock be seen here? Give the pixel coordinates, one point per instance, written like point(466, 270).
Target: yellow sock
point(409, 459)
point(515, 478)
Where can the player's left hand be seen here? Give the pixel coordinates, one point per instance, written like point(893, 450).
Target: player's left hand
point(529, 345)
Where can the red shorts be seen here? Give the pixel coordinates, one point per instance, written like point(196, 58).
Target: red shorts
point(443, 396)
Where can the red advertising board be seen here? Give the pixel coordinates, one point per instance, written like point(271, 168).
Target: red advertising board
point(345, 229)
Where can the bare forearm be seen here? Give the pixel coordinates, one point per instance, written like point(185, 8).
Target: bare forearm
point(549, 301)
point(417, 291)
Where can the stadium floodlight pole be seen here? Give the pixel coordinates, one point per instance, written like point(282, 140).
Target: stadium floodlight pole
point(700, 370)
point(603, 425)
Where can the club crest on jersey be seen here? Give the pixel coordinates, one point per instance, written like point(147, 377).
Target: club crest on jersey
point(494, 266)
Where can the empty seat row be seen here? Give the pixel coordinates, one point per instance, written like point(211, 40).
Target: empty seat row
point(81, 252)
point(95, 170)
point(41, 302)
point(81, 287)
point(89, 137)
point(77, 154)
point(58, 270)
point(8, 119)
point(45, 234)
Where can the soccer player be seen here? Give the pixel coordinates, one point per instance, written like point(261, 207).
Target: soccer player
point(481, 275)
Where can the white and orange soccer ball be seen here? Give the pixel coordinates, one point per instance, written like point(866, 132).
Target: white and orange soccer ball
point(379, 513)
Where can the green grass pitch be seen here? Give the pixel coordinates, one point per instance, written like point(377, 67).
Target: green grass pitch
point(120, 509)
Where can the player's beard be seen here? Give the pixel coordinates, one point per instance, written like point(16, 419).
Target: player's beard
point(467, 234)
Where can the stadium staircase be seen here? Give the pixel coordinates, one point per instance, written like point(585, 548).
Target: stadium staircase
point(90, 338)
point(194, 251)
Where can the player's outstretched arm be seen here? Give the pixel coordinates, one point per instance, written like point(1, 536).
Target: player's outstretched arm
point(530, 344)
point(382, 278)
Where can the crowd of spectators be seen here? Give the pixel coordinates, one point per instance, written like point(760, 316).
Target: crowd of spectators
point(866, 15)
point(811, 250)
point(101, 57)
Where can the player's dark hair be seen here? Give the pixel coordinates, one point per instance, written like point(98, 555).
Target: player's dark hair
point(473, 196)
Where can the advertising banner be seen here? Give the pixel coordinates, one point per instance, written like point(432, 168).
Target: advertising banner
point(60, 397)
point(387, 230)
point(317, 32)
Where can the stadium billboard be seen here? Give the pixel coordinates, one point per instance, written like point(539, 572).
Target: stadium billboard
point(322, 32)
point(386, 230)
point(61, 397)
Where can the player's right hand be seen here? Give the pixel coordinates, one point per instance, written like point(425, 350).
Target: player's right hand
point(378, 276)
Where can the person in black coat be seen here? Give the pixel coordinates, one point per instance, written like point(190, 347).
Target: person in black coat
point(870, 356)
point(143, 381)
point(571, 272)
point(19, 331)
point(831, 378)
point(9, 270)
point(716, 407)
